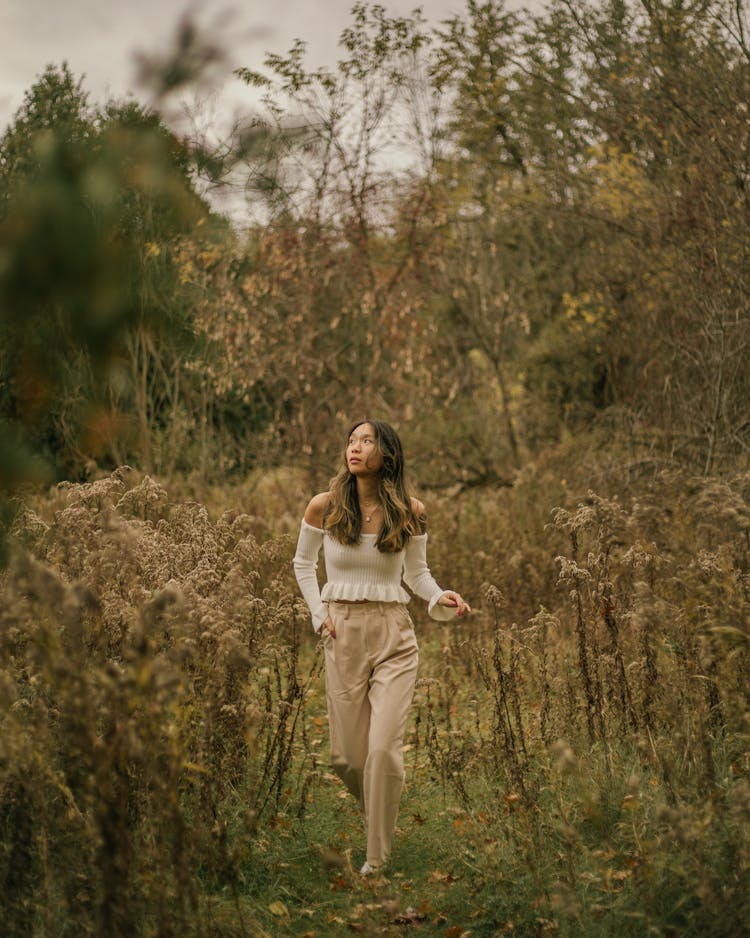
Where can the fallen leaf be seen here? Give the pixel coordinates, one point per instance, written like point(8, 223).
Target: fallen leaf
point(409, 917)
point(338, 883)
point(440, 876)
point(455, 931)
point(278, 909)
point(332, 859)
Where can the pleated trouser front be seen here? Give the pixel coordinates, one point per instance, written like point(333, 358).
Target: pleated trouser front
point(371, 669)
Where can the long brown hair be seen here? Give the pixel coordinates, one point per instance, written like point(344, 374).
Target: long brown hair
point(343, 516)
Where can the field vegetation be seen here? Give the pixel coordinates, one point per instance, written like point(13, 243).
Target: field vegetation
point(548, 299)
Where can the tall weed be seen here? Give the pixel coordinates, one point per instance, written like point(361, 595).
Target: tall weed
point(586, 729)
point(151, 696)
point(612, 749)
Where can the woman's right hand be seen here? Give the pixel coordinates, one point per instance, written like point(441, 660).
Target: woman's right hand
point(328, 628)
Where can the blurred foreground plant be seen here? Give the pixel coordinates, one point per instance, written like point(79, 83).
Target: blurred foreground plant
point(88, 201)
point(142, 742)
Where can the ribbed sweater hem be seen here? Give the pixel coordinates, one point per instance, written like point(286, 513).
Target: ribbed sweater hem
point(376, 592)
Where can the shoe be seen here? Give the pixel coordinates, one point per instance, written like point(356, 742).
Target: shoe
point(368, 869)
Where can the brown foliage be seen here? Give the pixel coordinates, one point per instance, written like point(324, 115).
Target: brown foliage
point(150, 702)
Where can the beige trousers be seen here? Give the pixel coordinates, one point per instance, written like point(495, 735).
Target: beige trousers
point(371, 668)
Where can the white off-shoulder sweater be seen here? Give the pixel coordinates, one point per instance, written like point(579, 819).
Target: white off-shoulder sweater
point(361, 571)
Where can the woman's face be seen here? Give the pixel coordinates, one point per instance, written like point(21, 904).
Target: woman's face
point(362, 453)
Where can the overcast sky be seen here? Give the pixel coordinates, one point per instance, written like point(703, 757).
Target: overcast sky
point(98, 38)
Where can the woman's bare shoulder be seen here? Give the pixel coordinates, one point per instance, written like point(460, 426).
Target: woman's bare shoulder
point(316, 509)
point(417, 507)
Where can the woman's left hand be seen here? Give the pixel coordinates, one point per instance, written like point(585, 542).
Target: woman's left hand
point(454, 600)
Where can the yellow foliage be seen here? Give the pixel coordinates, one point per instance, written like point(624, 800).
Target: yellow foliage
point(622, 189)
point(187, 271)
point(587, 309)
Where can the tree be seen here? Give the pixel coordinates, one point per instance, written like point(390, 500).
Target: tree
point(345, 223)
point(598, 176)
point(665, 86)
point(85, 197)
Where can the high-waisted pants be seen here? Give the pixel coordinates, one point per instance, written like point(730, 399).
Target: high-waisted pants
point(371, 669)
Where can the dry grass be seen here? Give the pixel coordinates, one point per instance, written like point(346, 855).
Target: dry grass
point(578, 761)
point(151, 701)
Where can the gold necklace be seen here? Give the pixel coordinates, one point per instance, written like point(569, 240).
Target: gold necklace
point(367, 517)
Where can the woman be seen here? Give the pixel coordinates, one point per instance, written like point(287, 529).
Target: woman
point(373, 534)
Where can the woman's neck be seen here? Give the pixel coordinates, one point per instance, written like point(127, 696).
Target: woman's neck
point(367, 490)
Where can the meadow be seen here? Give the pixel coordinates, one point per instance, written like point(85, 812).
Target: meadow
point(577, 757)
point(521, 238)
